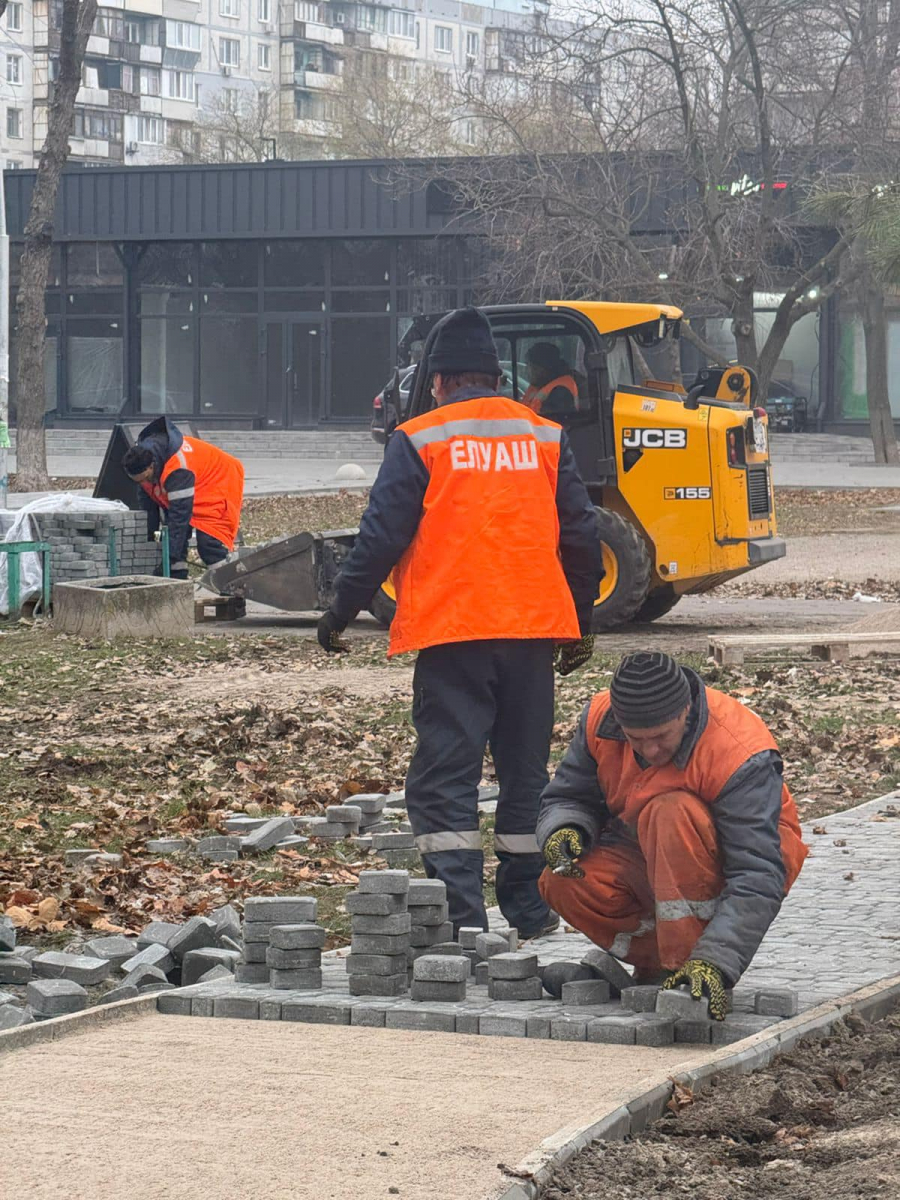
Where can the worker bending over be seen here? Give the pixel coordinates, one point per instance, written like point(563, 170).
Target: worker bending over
point(198, 485)
point(669, 833)
point(480, 508)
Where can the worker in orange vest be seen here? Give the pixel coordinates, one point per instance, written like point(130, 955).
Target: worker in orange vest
point(553, 391)
point(198, 485)
point(481, 513)
point(670, 836)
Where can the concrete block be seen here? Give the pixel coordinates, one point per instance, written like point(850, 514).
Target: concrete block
point(694, 1030)
point(743, 999)
point(227, 921)
point(7, 936)
point(241, 1008)
point(13, 1017)
point(368, 803)
point(197, 962)
point(390, 926)
point(395, 883)
point(453, 949)
point(343, 814)
point(216, 973)
point(132, 606)
point(369, 1015)
point(220, 856)
point(155, 955)
point(29, 953)
point(427, 891)
point(293, 960)
point(55, 997)
point(608, 968)
point(555, 975)
point(489, 944)
point(270, 1010)
point(652, 1030)
point(300, 980)
point(613, 1030)
point(568, 1029)
point(378, 985)
point(376, 943)
point(79, 968)
point(254, 952)
point(777, 1002)
point(446, 932)
point(167, 845)
point(169, 1002)
point(297, 937)
point(586, 991)
point(428, 914)
point(265, 838)
point(740, 1025)
point(375, 904)
point(448, 993)
point(429, 935)
point(251, 973)
point(241, 825)
point(216, 843)
point(201, 1006)
point(515, 989)
point(538, 1026)
point(7, 998)
point(317, 1012)
point(144, 975)
point(281, 910)
point(482, 976)
point(503, 1025)
point(640, 999)
point(157, 933)
point(440, 968)
point(520, 965)
point(197, 934)
point(14, 969)
point(677, 1003)
point(467, 935)
point(375, 964)
point(393, 841)
point(403, 1017)
point(333, 831)
point(258, 931)
point(468, 1020)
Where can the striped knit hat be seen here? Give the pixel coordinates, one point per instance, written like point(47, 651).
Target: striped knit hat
point(648, 689)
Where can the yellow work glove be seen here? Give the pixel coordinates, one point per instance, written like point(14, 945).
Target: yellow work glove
point(572, 655)
point(562, 850)
point(704, 980)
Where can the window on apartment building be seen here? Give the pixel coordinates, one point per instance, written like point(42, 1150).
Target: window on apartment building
point(13, 68)
point(307, 10)
point(14, 122)
point(473, 42)
point(180, 85)
point(104, 126)
point(231, 99)
point(470, 133)
point(12, 165)
point(401, 70)
point(443, 39)
point(403, 24)
point(229, 8)
point(264, 57)
point(151, 130)
point(370, 18)
point(182, 35)
point(264, 11)
point(14, 16)
point(110, 23)
point(142, 31)
point(151, 81)
point(229, 52)
point(311, 107)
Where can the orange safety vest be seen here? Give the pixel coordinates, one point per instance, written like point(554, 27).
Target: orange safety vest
point(484, 561)
point(732, 735)
point(535, 398)
point(218, 488)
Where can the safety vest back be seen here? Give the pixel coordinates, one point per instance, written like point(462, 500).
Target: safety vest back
point(484, 562)
point(218, 488)
point(733, 734)
point(535, 398)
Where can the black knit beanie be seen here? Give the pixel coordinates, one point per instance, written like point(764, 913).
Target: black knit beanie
point(648, 689)
point(463, 342)
point(137, 459)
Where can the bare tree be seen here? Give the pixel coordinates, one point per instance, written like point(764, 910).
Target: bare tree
point(242, 127)
point(31, 456)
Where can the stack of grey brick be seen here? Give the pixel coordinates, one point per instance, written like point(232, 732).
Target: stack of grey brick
point(379, 941)
point(341, 821)
point(79, 543)
point(262, 914)
point(294, 956)
point(514, 976)
point(427, 907)
point(439, 977)
point(398, 849)
point(371, 807)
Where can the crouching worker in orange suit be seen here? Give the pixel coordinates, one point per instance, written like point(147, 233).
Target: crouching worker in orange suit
point(669, 834)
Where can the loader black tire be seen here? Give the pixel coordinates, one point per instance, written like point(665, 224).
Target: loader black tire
point(660, 601)
point(628, 567)
point(383, 608)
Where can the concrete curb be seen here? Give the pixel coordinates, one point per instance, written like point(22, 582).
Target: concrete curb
point(56, 1028)
point(636, 1111)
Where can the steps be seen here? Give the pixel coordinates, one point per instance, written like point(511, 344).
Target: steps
point(821, 447)
point(351, 445)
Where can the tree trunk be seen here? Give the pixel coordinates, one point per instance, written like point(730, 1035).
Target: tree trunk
point(31, 455)
point(881, 422)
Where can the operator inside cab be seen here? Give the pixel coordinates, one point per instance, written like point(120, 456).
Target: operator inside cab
point(553, 391)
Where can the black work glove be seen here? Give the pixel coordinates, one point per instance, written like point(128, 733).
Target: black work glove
point(704, 980)
point(562, 850)
point(328, 631)
point(572, 655)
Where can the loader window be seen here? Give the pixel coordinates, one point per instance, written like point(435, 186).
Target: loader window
point(619, 364)
point(544, 367)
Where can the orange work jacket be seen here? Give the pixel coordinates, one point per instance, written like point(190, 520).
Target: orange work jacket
point(733, 734)
point(484, 561)
point(535, 398)
point(218, 488)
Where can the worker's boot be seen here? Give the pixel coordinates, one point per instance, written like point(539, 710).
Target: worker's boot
point(549, 926)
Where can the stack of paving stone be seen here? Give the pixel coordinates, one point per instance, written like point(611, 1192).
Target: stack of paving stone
point(340, 822)
point(79, 543)
point(294, 956)
point(379, 941)
point(486, 946)
point(262, 914)
point(514, 976)
point(440, 977)
point(427, 907)
point(372, 820)
point(398, 849)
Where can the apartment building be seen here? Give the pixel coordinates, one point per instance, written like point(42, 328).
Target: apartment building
point(156, 69)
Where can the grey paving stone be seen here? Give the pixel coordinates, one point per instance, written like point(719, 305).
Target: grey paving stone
point(772, 1002)
point(227, 921)
point(568, 1029)
point(431, 935)
point(426, 990)
point(243, 825)
point(201, 1006)
point(266, 837)
point(467, 935)
point(482, 976)
point(124, 991)
point(468, 1021)
point(743, 999)
point(378, 985)
point(375, 964)
point(245, 972)
point(229, 943)
point(693, 1030)
point(300, 980)
point(269, 1009)
point(344, 814)
point(6, 998)
point(391, 926)
point(14, 969)
point(427, 891)
point(334, 831)
point(440, 968)
point(116, 949)
point(29, 953)
point(157, 933)
point(155, 955)
point(196, 934)
point(640, 999)
point(281, 910)
point(615, 1030)
point(244, 1008)
point(737, 1026)
point(489, 944)
point(376, 943)
point(403, 1017)
point(454, 949)
point(258, 931)
point(172, 1003)
point(197, 962)
point(217, 843)
point(143, 974)
point(314, 1012)
point(538, 1026)
point(7, 936)
point(55, 997)
point(519, 965)
point(255, 952)
point(393, 841)
point(13, 1017)
point(394, 883)
point(678, 1003)
point(368, 1015)
point(515, 989)
point(428, 914)
point(369, 802)
point(503, 1025)
point(586, 991)
point(652, 1030)
point(556, 974)
point(605, 966)
point(375, 904)
point(214, 973)
point(293, 960)
point(79, 968)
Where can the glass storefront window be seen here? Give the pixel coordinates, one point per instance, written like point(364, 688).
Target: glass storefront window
point(168, 264)
point(360, 262)
point(167, 365)
point(229, 264)
point(93, 264)
point(360, 302)
point(426, 261)
point(94, 361)
point(294, 264)
point(229, 358)
point(360, 362)
point(299, 302)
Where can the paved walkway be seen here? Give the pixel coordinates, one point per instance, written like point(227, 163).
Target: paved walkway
point(168, 1107)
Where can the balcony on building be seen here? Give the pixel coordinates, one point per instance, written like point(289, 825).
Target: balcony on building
point(316, 67)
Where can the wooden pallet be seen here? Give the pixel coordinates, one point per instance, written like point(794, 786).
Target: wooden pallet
point(730, 651)
point(219, 608)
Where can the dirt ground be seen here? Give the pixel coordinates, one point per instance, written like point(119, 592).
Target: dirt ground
point(820, 1123)
point(164, 1107)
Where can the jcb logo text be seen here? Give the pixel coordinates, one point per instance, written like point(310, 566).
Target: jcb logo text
point(654, 439)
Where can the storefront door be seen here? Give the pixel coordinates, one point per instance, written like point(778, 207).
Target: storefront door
point(294, 369)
